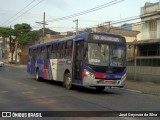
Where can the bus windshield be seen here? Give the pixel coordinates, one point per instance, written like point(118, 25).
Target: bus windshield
point(105, 55)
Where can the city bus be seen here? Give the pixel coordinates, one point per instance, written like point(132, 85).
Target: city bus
point(87, 59)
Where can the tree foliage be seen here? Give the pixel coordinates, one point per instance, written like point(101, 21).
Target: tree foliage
point(24, 33)
point(22, 28)
point(6, 32)
point(88, 30)
point(28, 37)
point(48, 31)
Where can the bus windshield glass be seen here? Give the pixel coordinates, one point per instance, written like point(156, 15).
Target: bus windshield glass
point(105, 55)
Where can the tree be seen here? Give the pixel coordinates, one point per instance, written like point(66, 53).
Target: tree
point(22, 28)
point(88, 30)
point(22, 35)
point(48, 31)
point(28, 37)
point(7, 33)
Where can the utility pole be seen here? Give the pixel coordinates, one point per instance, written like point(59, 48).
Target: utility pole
point(76, 21)
point(44, 23)
point(109, 26)
point(12, 46)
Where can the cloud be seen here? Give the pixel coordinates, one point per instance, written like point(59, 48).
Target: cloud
point(59, 4)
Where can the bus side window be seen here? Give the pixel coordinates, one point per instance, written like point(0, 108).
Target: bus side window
point(61, 49)
point(48, 51)
point(30, 53)
point(68, 49)
point(39, 53)
point(34, 54)
point(54, 51)
point(80, 50)
point(43, 52)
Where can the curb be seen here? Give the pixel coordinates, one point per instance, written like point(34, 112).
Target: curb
point(21, 66)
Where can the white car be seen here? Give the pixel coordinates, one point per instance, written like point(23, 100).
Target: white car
point(1, 63)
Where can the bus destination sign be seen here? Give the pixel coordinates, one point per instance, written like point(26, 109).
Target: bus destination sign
point(106, 38)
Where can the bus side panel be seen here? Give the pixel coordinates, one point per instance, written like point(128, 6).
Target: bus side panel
point(40, 66)
point(47, 72)
point(29, 66)
point(58, 67)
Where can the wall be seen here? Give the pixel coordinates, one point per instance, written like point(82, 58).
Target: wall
point(158, 29)
point(144, 73)
point(145, 31)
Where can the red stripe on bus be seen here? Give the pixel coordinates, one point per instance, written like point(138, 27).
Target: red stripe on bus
point(45, 74)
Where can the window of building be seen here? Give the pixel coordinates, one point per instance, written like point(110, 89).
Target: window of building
point(153, 29)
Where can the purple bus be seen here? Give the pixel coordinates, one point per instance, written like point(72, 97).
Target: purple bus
point(88, 59)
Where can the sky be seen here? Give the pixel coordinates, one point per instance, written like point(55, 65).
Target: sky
point(31, 11)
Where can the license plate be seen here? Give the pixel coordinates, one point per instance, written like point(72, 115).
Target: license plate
point(108, 81)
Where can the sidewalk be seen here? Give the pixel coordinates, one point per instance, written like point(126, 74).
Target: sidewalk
point(144, 87)
point(16, 65)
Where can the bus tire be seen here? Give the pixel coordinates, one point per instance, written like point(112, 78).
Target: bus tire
point(37, 75)
point(100, 88)
point(68, 81)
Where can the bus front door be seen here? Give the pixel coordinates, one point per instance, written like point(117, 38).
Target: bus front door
point(78, 58)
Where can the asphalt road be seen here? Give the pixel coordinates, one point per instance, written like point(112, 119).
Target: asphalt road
point(21, 92)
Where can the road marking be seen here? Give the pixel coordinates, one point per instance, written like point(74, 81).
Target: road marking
point(131, 90)
point(1, 92)
point(34, 88)
point(27, 86)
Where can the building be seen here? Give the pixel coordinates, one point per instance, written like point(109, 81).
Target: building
point(146, 62)
point(2, 48)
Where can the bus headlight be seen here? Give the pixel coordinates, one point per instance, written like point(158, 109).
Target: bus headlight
point(123, 77)
point(87, 74)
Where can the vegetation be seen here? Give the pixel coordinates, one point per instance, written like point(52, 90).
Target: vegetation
point(48, 31)
point(88, 30)
point(21, 35)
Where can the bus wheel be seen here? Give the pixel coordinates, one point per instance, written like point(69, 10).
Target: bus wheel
point(68, 81)
point(100, 88)
point(37, 75)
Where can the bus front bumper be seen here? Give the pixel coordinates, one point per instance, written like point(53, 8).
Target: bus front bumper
point(91, 82)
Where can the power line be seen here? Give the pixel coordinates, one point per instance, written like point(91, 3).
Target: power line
point(25, 12)
point(87, 11)
point(110, 23)
point(137, 16)
point(117, 28)
point(18, 12)
point(125, 20)
point(117, 21)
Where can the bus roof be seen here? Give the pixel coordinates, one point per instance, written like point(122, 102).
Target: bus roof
point(43, 44)
point(82, 36)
